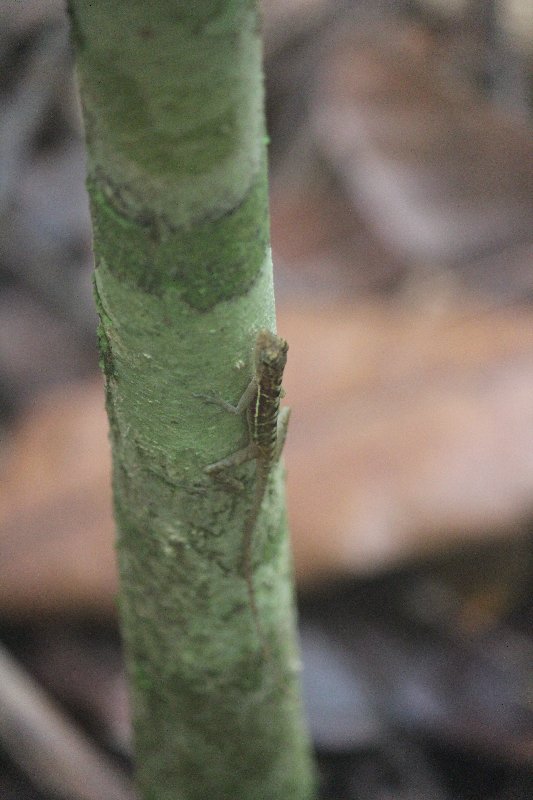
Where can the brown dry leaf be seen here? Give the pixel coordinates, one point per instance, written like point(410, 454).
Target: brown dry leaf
point(56, 527)
point(411, 433)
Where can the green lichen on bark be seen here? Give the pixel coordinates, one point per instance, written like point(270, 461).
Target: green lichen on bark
point(172, 95)
point(214, 260)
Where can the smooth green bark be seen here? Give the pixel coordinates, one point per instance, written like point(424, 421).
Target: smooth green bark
point(172, 95)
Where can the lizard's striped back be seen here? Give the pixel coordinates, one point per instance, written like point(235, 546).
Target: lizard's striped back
point(271, 357)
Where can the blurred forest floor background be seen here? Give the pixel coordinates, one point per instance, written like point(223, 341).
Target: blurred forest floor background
point(402, 234)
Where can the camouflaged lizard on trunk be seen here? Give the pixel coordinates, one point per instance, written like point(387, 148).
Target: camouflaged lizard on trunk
point(267, 426)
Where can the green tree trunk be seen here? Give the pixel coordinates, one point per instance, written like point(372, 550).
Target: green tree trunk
point(173, 108)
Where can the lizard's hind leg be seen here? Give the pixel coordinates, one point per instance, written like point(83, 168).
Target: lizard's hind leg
point(219, 469)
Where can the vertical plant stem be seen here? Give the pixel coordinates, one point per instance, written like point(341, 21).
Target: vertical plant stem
point(173, 108)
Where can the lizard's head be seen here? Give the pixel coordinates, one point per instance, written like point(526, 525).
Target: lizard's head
point(271, 351)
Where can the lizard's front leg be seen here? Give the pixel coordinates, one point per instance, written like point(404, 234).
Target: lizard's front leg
point(248, 453)
point(242, 405)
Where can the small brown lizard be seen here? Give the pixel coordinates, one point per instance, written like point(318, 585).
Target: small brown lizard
point(268, 428)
